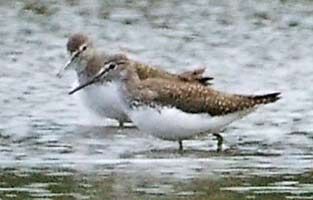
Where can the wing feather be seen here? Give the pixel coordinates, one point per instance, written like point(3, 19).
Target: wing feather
point(196, 98)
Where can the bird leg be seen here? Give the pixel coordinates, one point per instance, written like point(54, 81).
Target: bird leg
point(180, 142)
point(120, 124)
point(219, 141)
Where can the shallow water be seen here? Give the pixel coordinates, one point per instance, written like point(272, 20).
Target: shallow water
point(51, 148)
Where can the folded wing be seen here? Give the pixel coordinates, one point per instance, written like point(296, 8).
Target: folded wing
point(196, 98)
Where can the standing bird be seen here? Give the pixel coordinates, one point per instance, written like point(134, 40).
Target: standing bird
point(175, 110)
point(102, 99)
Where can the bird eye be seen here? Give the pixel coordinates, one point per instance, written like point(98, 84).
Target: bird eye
point(84, 48)
point(112, 66)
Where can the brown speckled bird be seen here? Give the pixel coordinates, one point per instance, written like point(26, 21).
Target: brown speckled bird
point(102, 99)
point(175, 110)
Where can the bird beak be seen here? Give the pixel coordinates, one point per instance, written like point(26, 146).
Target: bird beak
point(68, 64)
point(94, 79)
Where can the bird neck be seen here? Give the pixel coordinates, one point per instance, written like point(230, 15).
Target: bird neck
point(86, 65)
point(130, 84)
point(131, 77)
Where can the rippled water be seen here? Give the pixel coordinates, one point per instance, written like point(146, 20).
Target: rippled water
point(51, 148)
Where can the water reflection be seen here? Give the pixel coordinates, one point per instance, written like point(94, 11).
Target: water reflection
point(90, 162)
point(63, 183)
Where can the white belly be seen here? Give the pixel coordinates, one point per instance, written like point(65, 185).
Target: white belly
point(104, 101)
point(173, 124)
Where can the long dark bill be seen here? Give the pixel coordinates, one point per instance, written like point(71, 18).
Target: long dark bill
point(68, 64)
point(94, 79)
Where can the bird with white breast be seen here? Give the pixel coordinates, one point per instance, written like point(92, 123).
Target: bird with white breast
point(175, 110)
point(102, 98)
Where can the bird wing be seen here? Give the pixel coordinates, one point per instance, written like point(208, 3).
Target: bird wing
point(196, 98)
point(196, 76)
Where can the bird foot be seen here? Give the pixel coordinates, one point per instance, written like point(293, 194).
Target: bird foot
point(219, 142)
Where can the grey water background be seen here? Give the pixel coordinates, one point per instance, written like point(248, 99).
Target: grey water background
point(52, 148)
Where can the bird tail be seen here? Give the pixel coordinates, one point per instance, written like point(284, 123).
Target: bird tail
point(266, 98)
point(196, 75)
